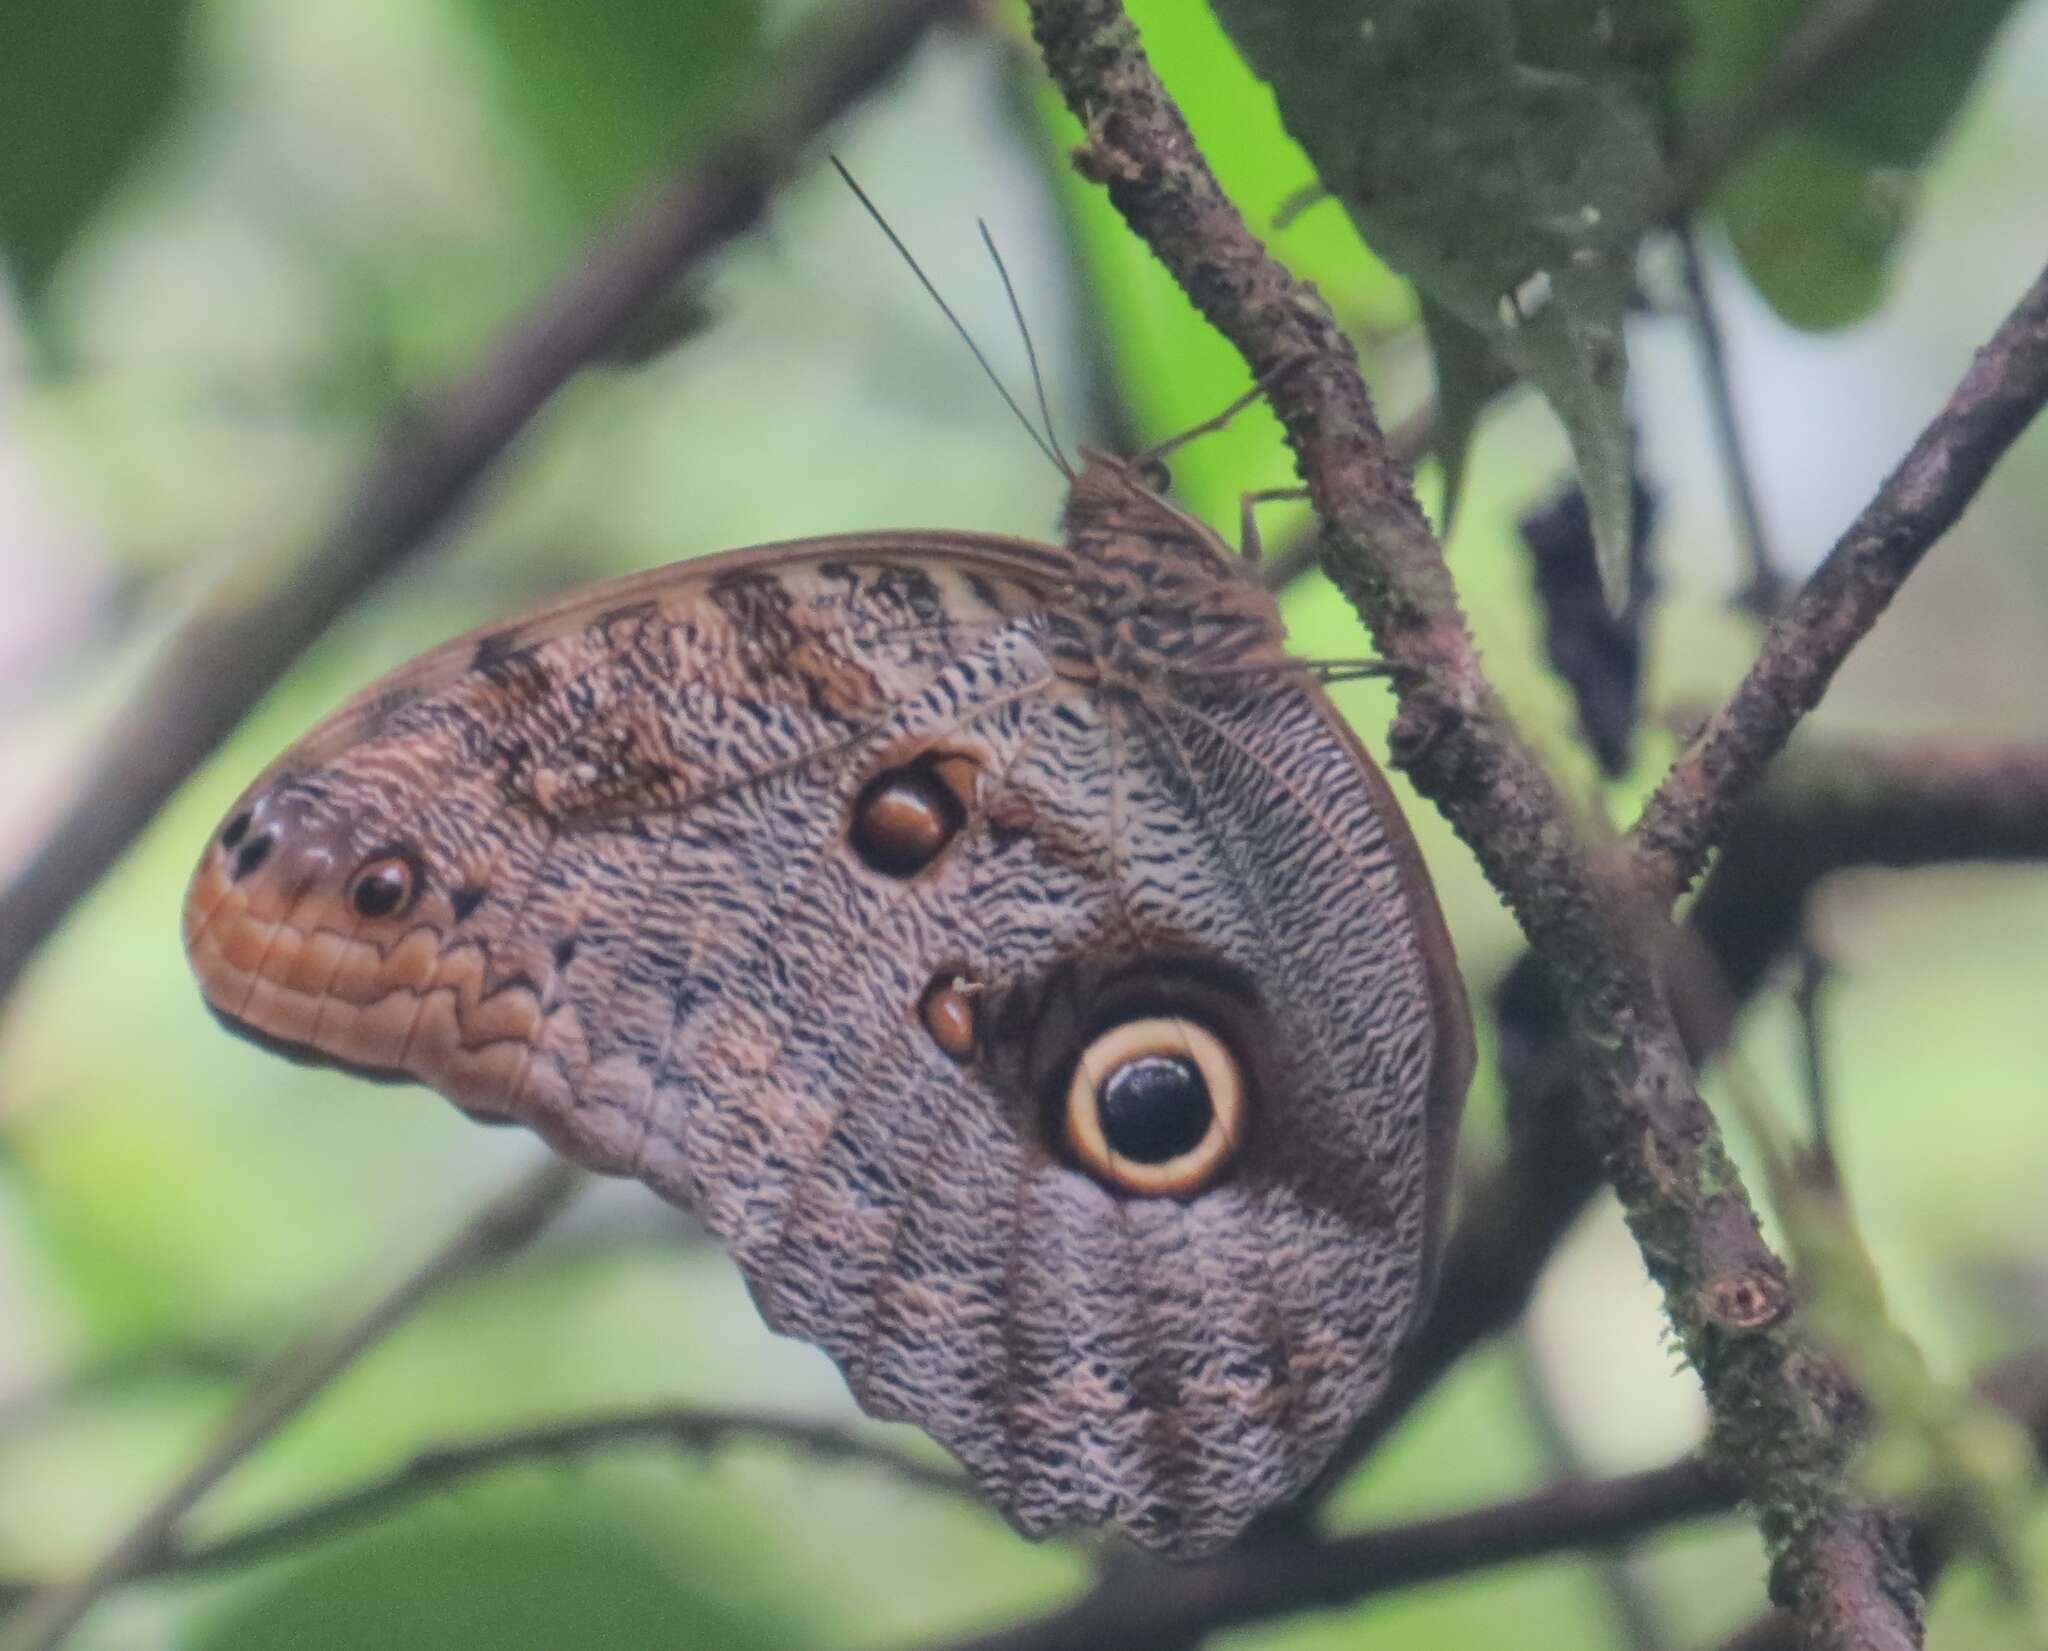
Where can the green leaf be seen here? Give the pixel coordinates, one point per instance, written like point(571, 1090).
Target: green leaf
point(84, 87)
point(1467, 375)
point(609, 90)
point(491, 1585)
point(1500, 153)
point(1817, 210)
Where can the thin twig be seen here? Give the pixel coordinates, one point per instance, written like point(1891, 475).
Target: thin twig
point(1998, 397)
point(297, 1377)
point(1765, 593)
point(431, 459)
point(687, 1427)
point(1807, 992)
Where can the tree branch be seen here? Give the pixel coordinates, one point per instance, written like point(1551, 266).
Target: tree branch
point(1998, 397)
point(2018, 1386)
point(1162, 1608)
point(430, 460)
point(684, 1426)
point(1154, 1607)
point(293, 1381)
point(1831, 806)
point(1787, 1420)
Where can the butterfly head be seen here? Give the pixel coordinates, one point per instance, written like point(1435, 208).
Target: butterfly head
point(1113, 499)
point(1163, 596)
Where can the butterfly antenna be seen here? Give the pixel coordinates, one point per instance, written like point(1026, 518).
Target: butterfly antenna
point(1052, 454)
point(1030, 349)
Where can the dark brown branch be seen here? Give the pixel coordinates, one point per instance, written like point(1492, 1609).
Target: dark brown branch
point(430, 461)
point(1407, 443)
point(1157, 1608)
point(293, 1381)
point(1830, 807)
point(1998, 397)
point(1787, 1419)
point(1154, 1607)
point(2018, 1386)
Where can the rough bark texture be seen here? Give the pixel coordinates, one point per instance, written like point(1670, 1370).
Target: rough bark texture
point(1787, 1421)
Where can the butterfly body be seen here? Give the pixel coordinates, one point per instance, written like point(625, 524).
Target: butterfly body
point(1005, 949)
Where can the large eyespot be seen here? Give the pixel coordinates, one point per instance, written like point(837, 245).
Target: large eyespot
point(1155, 1107)
point(384, 885)
point(904, 817)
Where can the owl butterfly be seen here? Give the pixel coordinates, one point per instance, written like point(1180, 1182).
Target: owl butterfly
point(1005, 949)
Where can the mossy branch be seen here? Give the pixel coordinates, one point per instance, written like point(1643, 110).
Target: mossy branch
point(1787, 1419)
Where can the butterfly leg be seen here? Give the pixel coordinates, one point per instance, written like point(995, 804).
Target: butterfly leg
point(1249, 545)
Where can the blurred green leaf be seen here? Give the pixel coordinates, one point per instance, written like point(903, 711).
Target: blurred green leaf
point(496, 1587)
point(84, 87)
point(1467, 375)
point(608, 90)
point(1490, 149)
point(1816, 210)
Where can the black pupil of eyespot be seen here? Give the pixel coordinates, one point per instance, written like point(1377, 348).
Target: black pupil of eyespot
point(237, 829)
point(378, 892)
point(1154, 1108)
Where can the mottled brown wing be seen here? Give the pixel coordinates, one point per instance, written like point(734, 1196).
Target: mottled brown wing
point(1179, 1364)
point(676, 873)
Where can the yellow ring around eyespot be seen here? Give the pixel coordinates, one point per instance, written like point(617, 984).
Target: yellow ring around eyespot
point(1188, 1172)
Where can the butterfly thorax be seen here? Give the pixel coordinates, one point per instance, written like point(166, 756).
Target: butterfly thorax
point(1157, 595)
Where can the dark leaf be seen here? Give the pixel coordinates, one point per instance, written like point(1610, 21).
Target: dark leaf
point(1502, 154)
point(609, 90)
point(85, 86)
point(1817, 209)
point(1598, 652)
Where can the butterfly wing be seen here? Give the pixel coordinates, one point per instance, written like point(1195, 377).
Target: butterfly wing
point(800, 884)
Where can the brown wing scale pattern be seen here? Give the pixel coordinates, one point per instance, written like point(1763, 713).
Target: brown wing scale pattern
point(668, 871)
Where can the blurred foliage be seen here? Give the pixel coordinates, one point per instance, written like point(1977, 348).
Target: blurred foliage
point(653, 68)
point(296, 217)
point(1502, 156)
point(558, 1580)
point(84, 87)
point(1816, 208)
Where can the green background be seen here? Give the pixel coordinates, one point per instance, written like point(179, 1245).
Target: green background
point(326, 207)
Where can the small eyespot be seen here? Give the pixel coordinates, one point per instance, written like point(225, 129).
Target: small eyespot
point(904, 817)
point(384, 886)
point(946, 1012)
point(1156, 1107)
point(235, 830)
point(253, 852)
